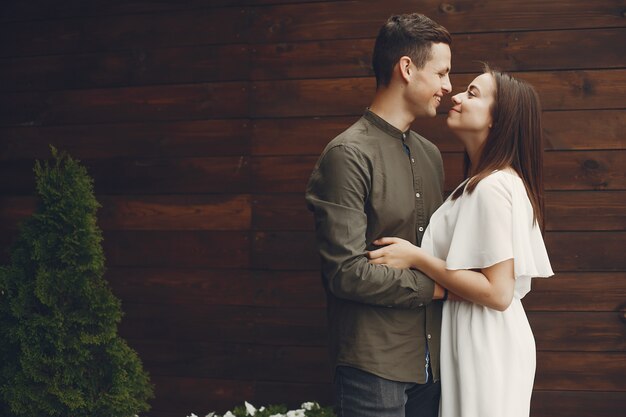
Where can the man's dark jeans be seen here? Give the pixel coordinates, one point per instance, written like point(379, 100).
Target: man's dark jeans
point(361, 394)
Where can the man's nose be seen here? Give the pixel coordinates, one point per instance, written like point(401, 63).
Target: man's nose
point(447, 85)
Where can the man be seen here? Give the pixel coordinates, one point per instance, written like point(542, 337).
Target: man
point(378, 178)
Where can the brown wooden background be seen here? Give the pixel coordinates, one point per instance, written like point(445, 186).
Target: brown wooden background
point(201, 120)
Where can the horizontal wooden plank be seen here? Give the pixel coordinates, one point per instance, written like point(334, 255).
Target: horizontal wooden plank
point(180, 65)
point(577, 404)
point(586, 251)
point(578, 291)
point(580, 371)
point(563, 90)
point(234, 361)
point(18, 10)
point(129, 104)
point(145, 212)
point(177, 249)
point(178, 286)
point(43, 9)
point(202, 322)
point(563, 130)
point(293, 394)
point(123, 32)
point(565, 210)
point(570, 210)
point(144, 176)
point(162, 249)
point(357, 19)
point(123, 140)
point(597, 170)
point(281, 212)
point(579, 331)
point(508, 51)
point(584, 130)
point(568, 251)
point(585, 170)
point(192, 212)
point(181, 395)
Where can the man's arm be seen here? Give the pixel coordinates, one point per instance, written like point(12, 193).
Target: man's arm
point(337, 193)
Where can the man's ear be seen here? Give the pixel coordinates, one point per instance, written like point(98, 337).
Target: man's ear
point(405, 68)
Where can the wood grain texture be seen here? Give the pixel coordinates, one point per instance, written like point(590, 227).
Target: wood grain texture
point(576, 403)
point(578, 291)
point(144, 66)
point(508, 51)
point(181, 249)
point(123, 32)
point(355, 19)
point(580, 371)
point(225, 137)
point(129, 104)
point(218, 287)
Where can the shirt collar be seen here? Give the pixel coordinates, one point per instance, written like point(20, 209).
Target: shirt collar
point(380, 123)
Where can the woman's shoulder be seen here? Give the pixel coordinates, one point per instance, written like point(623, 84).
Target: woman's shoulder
point(503, 182)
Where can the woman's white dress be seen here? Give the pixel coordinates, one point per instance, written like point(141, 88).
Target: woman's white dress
point(488, 356)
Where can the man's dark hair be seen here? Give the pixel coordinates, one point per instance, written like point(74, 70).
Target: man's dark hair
point(409, 35)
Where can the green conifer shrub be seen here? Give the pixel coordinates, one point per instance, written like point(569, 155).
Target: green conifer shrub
point(60, 351)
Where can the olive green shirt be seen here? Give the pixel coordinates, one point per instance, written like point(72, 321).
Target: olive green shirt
point(372, 181)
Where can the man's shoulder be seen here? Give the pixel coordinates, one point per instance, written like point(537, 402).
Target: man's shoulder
point(353, 135)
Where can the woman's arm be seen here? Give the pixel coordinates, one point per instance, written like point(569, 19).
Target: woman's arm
point(492, 287)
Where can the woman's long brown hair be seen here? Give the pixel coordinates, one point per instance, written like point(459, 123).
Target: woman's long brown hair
point(514, 140)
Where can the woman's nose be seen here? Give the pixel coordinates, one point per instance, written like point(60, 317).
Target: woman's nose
point(456, 99)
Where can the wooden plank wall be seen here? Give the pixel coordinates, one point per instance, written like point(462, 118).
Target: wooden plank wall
point(201, 120)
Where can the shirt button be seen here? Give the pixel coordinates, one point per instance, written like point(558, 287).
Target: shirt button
point(429, 336)
point(421, 229)
point(413, 160)
point(418, 195)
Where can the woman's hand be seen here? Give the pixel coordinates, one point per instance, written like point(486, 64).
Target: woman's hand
point(398, 253)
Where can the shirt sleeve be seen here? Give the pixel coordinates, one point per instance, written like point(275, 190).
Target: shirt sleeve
point(337, 193)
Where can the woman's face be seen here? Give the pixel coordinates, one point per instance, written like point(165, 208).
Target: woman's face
point(471, 112)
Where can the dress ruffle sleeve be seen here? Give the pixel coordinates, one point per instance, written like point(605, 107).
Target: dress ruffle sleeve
point(495, 223)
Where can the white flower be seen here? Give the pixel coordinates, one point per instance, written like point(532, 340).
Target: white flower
point(262, 408)
point(229, 414)
point(310, 406)
point(192, 415)
point(296, 413)
point(210, 414)
point(250, 410)
point(277, 415)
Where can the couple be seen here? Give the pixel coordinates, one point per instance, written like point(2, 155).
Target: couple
point(392, 251)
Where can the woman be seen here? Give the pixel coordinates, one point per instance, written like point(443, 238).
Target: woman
point(483, 245)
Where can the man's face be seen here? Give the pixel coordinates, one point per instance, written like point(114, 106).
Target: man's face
point(427, 86)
